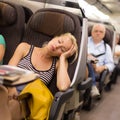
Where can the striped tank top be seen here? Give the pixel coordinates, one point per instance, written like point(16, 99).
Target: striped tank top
point(46, 76)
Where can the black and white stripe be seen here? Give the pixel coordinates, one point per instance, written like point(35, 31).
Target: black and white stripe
point(45, 76)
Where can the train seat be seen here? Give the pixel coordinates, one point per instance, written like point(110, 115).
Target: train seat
point(12, 19)
point(28, 13)
point(44, 25)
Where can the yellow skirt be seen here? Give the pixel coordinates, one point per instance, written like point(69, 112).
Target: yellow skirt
point(40, 100)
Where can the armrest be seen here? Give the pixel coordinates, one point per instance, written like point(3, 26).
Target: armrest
point(59, 99)
point(104, 75)
point(85, 84)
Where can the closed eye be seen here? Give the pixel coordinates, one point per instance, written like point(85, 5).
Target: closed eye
point(59, 42)
point(63, 49)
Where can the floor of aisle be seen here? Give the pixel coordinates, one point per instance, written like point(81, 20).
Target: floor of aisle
point(108, 108)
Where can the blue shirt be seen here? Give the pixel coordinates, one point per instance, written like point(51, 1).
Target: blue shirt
point(106, 59)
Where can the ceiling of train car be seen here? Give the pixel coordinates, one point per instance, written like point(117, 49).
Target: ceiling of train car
point(109, 7)
point(106, 6)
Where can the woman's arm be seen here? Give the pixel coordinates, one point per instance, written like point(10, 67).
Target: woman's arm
point(19, 53)
point(2, 47)
point(63, 80)
point(2, 51)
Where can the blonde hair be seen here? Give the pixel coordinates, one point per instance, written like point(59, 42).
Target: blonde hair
point(74, 42)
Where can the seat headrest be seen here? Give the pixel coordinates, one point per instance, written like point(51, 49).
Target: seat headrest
point(109, 37)
point(61, 25)
point(8, 14)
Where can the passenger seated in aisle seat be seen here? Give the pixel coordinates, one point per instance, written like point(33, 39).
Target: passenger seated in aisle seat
point(100, 53)
point(45, 61)
point(2, 48)
point(116, 71)
point(117, 48)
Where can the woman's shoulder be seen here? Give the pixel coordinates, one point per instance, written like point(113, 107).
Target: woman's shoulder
point(24, 45)
point(1, 36)
point(23, 48)
point(2, 40)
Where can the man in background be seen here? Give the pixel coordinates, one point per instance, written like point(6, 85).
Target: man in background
point(100, 53)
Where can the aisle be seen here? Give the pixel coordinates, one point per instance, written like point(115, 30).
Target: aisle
point(108, 108)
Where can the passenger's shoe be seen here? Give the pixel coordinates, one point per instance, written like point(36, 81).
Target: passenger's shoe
point(108, 87)
point(95, 92)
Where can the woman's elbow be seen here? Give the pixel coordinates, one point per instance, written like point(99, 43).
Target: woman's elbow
point(63, 87)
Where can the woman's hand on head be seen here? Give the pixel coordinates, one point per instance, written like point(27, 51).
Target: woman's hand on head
point(69, 53)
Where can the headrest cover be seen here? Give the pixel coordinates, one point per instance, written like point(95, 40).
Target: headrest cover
point(8, 14)
point(52, 23)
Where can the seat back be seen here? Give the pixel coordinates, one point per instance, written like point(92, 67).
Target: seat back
point(43, 26)
point(12, 21)
point(28, 13)
point(66, 103)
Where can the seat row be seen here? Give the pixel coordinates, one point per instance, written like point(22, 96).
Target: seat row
point(19, 24)
point(43, 25)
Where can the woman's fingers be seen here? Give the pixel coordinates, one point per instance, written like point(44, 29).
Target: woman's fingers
point(73, 49)
point(70, 52)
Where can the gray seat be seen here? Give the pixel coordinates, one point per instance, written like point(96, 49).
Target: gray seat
point(12, 19)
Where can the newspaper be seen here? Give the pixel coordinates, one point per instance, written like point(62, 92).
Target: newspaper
point(12, 75)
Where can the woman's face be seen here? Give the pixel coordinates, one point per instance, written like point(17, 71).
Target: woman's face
point(59, 45)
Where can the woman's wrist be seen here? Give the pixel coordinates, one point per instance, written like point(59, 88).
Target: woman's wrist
point(62, 58)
